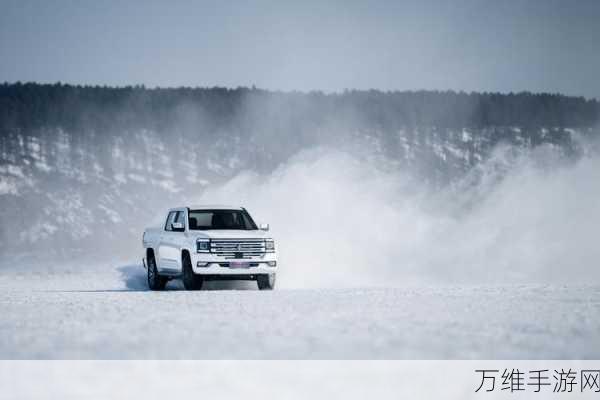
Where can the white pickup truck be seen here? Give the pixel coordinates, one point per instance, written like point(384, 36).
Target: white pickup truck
point(205, 243)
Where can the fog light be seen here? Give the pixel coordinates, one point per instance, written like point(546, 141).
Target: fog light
point(201, 264)
point(272, 263)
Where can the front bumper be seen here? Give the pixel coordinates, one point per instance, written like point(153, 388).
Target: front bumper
point(217, 265)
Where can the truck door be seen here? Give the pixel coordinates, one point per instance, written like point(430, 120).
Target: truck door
point(170, 243)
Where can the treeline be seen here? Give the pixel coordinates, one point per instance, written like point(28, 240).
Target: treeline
point(27, 106)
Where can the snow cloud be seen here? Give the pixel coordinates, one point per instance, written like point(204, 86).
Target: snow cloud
point(343, 221)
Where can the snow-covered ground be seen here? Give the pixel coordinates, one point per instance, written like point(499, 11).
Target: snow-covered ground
point(106, 312)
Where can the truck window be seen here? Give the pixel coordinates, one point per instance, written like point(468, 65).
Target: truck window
point(180, 217)
point(170, 220)
point(202, 220)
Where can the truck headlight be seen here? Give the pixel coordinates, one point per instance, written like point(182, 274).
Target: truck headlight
point(203, 246)
point(269, 245)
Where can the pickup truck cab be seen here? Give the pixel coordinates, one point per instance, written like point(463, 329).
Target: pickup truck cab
point(209, 242)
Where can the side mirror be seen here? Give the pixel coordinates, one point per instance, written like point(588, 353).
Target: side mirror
point(178, 226)
point(263, 227)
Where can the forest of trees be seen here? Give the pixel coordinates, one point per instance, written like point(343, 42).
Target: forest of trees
point(273, 125)
point(29, 106)
point(94, 151)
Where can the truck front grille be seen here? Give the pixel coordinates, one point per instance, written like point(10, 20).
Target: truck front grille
point(238, 248)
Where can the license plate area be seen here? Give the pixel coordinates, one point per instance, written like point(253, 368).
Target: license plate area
point(239, 264)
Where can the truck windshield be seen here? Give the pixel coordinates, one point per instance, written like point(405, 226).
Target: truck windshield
point(203, 220)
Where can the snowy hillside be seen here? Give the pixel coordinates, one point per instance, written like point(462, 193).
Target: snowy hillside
point(88, 168)
point(62, 192)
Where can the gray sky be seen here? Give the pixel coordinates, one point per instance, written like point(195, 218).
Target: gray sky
point(496, 45)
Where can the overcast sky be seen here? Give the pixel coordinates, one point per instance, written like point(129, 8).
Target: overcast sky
point(496, 45)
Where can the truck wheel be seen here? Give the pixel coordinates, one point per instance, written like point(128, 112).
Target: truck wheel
point(155, 281)
point(266, 281)
point(191, 281)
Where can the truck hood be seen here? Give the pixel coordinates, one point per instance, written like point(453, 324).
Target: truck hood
point(230, 234)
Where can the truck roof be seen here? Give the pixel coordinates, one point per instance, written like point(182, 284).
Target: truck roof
point(211, 207)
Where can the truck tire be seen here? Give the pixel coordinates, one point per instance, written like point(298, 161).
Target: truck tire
point(191, 281)
point(155, 281)
point(266, 281)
